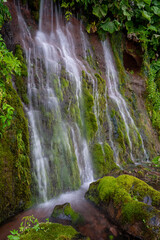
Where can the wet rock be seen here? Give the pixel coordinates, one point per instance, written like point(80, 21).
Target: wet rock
point(130, 203)
point(65, 212)
point(147, 200)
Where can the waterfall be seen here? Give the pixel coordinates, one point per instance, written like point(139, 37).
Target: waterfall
point(114, 94)
point(60, 153)
point(62, 77)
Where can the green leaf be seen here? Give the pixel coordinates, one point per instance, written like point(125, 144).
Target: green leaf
point(104, 10)
point(146, 15)
point(14, 231)
point(100, 11)
point(152, 28)
point(140, 4)
point(88, 28)
point(65, 5)
point(148, 2)
point(129, 26)
point(126, 13)
point(96, 11)
point(109, 26)
point(156, 10)
point(156, 2)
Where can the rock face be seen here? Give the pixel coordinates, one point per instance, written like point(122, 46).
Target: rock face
point(130, 203)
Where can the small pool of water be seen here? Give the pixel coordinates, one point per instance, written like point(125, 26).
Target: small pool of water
point(96, 226)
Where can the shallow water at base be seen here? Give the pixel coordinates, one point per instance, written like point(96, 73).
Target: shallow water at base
point(96, 226)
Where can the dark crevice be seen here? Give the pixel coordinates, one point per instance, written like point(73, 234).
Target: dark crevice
point(130, 62)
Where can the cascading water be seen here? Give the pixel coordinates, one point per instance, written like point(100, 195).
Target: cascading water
point(114, 94)
point(59, 150)
point(62, 80)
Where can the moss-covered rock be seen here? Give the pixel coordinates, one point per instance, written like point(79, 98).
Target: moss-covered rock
point(66, 212)
point(90, 120)
point(130, 203)
point(14, 159)
point(103, 160)
point(21, 81)
point(53, 231)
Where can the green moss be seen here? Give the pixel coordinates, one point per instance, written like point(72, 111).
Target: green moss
point(91, 60)
point(134, 212)
point(88, 98)
point(65, 210)
point(121, 140)
point(103, 160)
point(64, 83)
point(21, 81)
point(91, 125)
point(90, 120)
point(100, 80)
point(14, 157)
point(127, 194)
point(101, 88)
point(109, 158)
point(139, 188)
point(156, 161)
point(57, 87)
point(75, 114)
point(98, 160)
point(120, 133)
point(63, 161)
point(116, 41)
point(50, 231)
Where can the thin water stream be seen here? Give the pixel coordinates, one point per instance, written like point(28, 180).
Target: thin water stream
point(114, 94)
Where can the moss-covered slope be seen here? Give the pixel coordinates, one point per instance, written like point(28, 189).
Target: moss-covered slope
point(14, 159)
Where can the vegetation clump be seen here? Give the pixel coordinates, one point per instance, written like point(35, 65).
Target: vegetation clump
point(53, 231)
point(20, 80)
point(30, 228)
point(90, 120)
point(103, 160)
point(156, 161)
point(14, 137)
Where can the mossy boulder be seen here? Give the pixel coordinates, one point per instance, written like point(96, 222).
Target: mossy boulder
point(130, 203)
point(53, 231)
point(65, 212)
